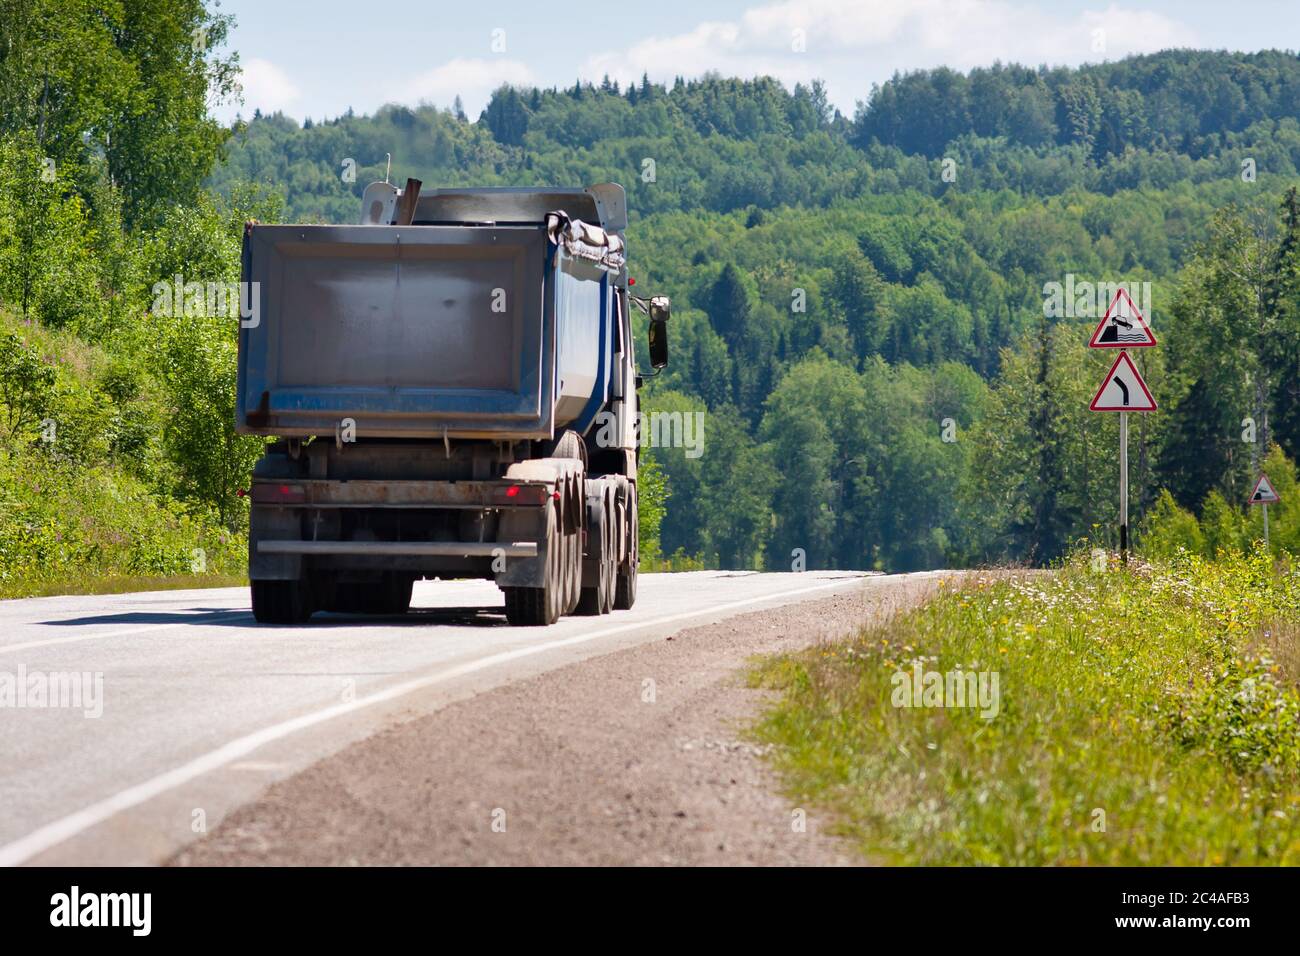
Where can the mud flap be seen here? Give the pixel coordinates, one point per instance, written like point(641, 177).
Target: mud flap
point(524, 524)
point(273, 524)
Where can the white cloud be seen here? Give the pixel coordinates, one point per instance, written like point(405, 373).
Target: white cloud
point(267, 87)
point(851, 44)
point(471, 78)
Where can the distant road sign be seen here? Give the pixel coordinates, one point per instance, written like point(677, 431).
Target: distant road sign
point(1264, 493)
point(1123, 390)
point(1122, 327)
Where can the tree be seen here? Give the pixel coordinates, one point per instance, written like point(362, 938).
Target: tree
point(1280, 340)
point(133, 80)
point(859, 293)
point(815, 427)
point(507, 116)
point(197, 356)
point(1218, 325)
point(729, 305)
point(26, 385)
point(737, 480)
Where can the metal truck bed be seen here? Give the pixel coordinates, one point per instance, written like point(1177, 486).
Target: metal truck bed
point(421, 332)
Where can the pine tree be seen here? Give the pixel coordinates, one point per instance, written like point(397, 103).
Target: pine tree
point(1046, 533)
point(1280, 344)
point(507, 116)
point(729, 305)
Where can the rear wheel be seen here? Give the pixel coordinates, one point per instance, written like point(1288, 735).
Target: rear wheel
point(281, 602)
point(600, 598)
point(625, 591)
point(570, 445)
point(573, 570)
point(399, 594)
point(611, 578)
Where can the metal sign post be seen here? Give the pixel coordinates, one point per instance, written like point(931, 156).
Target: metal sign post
point(1123, 390)
point(1123, 487)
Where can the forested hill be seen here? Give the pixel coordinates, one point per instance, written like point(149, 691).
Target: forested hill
point(860, 302)
point(1172, 118)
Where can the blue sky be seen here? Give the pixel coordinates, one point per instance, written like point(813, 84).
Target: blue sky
point(319, 58)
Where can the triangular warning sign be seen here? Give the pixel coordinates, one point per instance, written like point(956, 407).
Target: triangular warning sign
point(1264, 493)
point(1122, 327)
point(1123, 390)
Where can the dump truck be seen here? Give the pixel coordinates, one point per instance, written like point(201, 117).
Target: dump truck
point(451, 390)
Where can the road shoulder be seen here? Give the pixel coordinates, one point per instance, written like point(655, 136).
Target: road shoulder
point(636, 757)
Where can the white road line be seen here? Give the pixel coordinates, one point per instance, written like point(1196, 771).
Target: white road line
point(65, 828)
point(47, 642)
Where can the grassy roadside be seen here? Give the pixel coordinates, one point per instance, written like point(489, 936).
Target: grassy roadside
point(1142, 717)
point(88, 499)
point(70, 529)
point(121, 584)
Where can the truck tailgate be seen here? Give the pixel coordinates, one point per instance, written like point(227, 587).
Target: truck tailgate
point(408, 331)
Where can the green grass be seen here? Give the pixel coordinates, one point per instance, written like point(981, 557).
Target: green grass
point(93, 510)
point(1163, 697)
point(69, 529)
point(125, 584)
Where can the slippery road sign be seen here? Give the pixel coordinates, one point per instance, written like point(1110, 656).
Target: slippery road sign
point(1122, 327)
point(1123, 390)
point(1264, 493)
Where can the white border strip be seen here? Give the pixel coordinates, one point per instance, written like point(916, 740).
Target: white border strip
point(65, 828)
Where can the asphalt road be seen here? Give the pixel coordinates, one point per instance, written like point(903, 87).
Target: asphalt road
point(191, 709)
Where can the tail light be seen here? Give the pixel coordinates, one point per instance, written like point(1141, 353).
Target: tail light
point(278, 493)
point(522, 494)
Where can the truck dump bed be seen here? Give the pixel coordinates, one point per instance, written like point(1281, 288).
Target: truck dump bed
point(422, 331)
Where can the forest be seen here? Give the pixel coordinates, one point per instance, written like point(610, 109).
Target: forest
point(861, 303)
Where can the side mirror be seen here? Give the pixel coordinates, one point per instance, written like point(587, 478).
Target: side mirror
point(659, 313)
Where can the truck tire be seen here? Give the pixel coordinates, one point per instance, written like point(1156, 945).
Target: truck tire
point(573, 571)
point(537, 607)
point(281, 602)
point(571, 445)
point(397, 593)
point(608, 568)
point(600, 598)
point(611, 579)
point(625, 591)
